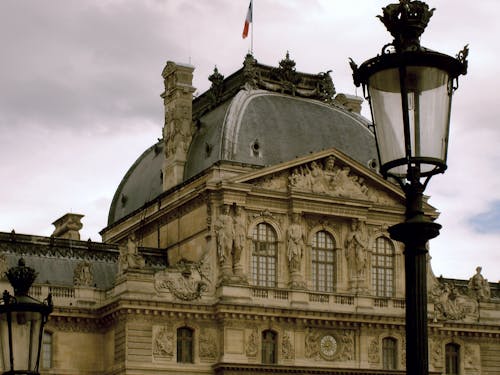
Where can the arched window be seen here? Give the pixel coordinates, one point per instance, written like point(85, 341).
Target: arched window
point(323, 262)
point(264, 255)
point(383, 267)
point(269, 346)
point(47, 350)
point(185, 345)
point(389, 353)
point(452, 359)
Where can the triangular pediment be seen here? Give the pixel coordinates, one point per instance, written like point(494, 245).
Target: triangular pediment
point(329, 172)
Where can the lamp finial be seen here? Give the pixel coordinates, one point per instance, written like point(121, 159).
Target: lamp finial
point(406, 22)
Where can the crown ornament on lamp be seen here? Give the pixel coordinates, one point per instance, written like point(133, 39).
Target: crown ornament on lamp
point(406, 22)
point(21, 278)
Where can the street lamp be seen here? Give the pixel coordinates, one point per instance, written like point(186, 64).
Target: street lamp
point(409, 88)
point(22, 319)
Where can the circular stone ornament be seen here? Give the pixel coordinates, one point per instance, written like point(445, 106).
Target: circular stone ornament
point(328, 346)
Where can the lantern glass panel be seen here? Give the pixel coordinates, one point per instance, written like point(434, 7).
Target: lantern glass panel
point(26, 330)
point(428, 101)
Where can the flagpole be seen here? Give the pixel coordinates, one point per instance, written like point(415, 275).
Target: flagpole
point(251, 36)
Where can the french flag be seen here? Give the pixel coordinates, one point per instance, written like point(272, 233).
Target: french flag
point(248, 20)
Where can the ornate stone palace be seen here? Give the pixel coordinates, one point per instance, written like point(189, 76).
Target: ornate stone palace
point(252, 238)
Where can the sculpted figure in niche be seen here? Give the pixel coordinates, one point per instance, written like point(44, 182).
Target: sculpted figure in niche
point(356, 249)
point(129, 256)
point(479, 286)
point(295, 246)
point(224, 230)
point(240, 234)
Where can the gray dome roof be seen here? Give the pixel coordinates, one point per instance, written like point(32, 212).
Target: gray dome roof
point(260, 116)
point(263, 128)
point(255, 127)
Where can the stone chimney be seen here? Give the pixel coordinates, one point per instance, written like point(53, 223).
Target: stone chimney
point(178, 129)
point(68, 226)
point(351, 102)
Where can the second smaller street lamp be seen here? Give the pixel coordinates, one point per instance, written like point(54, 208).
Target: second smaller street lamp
point(22, 319)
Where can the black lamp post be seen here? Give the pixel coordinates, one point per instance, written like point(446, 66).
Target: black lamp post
point(409, 88)
point(22, 319)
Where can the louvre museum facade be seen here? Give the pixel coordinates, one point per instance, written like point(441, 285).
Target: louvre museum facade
point(251, 238)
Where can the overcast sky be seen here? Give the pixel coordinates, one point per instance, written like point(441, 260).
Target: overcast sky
point(80, 84)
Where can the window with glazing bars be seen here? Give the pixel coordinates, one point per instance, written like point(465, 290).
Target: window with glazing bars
point(383, 267)
point(323, 262)
point(264, 255)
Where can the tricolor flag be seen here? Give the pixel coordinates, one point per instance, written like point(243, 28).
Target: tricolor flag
point(248, 20)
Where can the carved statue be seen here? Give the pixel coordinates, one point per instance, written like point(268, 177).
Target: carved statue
point(295, 247)
point(208, 345)
point(224, 230)
point(129, 256)
point(356, 249)
point(240, 235)
point(478, 286)
point(82, 275)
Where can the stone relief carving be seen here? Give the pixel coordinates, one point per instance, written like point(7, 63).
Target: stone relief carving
point(471, 357)
point(324, 177)
point(287, 350)
point(163, 342)
point(82, 275)
point(478, 286)
point(208, 344)
point(186, 280)
point(252, 343)
point(346, 352)
point(451, 304)
point(177, 138)
point(436, 353)
point(374, 351)
point(129, 256)
point(312, 343)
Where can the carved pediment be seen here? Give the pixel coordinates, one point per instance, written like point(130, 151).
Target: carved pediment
point(327, 174)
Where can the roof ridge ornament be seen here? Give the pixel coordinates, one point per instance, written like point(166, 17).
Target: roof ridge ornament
point(216, 89)
point(406, 22)
point(287, 75)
